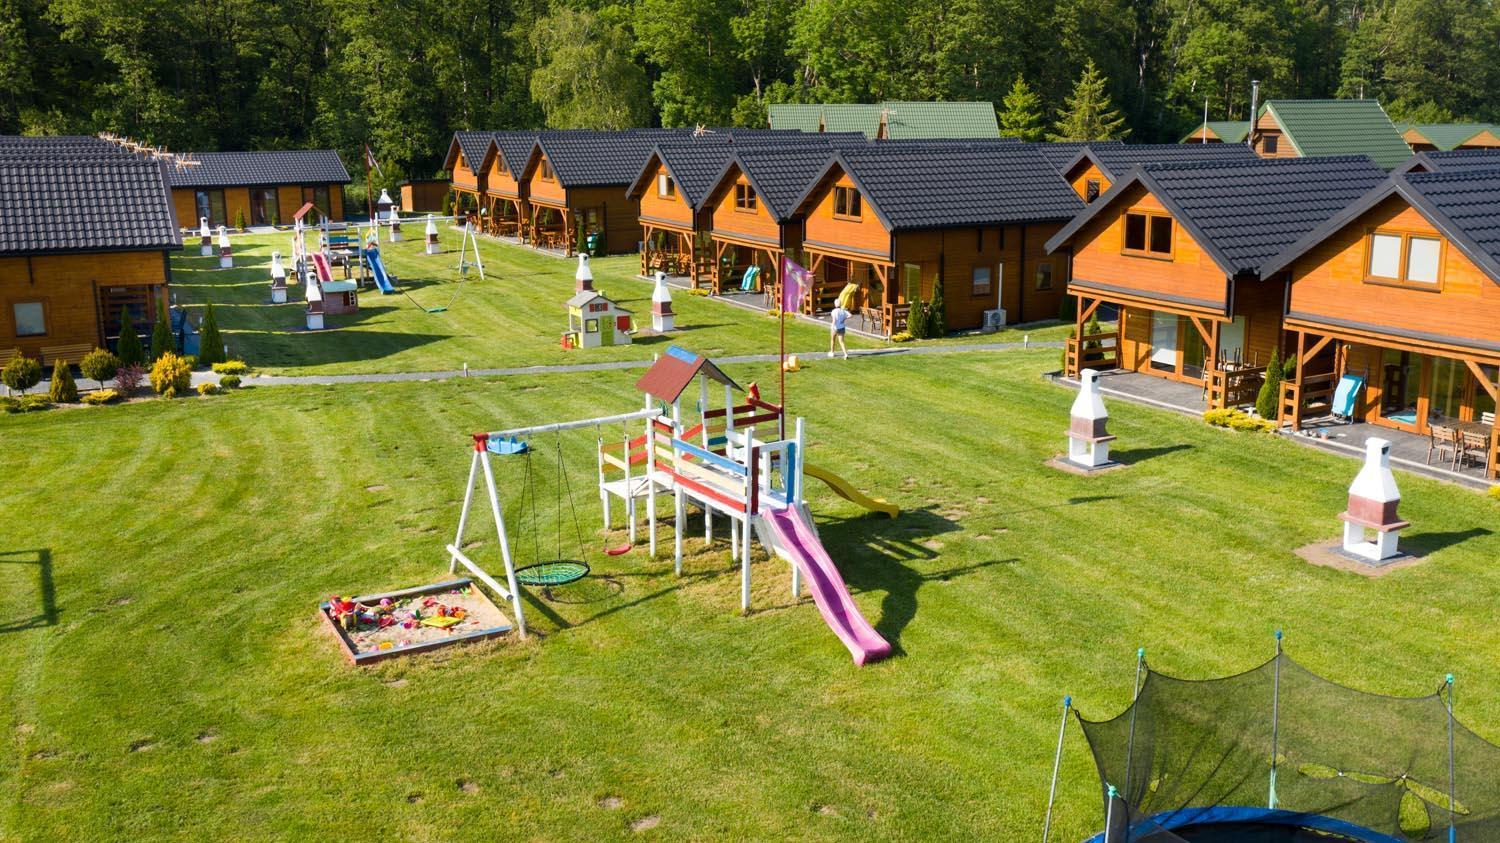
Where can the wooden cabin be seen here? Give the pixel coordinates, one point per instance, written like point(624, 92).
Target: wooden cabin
point(423, 195)
point(1219, 131)
point(898, 220)
point(1097, 165)
point(1402, 289)
point(890, 120)
point(503, 194)
point(1178, 249)
point(575, 188)
point(1452, 161)
point(671, 193)
point(260, 188)
point(1311, 128)
point(81, 240)
point(1442, 137)
point(466, 175)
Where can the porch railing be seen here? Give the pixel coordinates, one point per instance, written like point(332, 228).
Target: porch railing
point(1100, 351)
point(1234, 387)
point(1314, 392)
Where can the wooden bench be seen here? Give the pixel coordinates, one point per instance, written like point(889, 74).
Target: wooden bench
point(71, 354)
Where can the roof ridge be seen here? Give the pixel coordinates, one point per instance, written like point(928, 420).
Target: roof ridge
point(1253, 162)
point(1452, 175)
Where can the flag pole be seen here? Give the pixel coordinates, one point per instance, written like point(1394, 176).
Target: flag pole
point(369, 200)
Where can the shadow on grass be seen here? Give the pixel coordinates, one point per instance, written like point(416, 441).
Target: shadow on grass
point(46, 591)
point(331, 345)
point(1131, 456)
point(1427, 543)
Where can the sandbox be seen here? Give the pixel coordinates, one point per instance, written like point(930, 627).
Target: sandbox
point(413, 620)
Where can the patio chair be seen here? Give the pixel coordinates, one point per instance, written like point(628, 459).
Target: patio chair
point(1442, 440)
point(1475, 445)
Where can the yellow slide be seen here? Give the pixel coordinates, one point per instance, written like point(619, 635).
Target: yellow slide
point(841, 487)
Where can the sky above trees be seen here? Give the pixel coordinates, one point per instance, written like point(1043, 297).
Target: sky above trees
point(249, 74)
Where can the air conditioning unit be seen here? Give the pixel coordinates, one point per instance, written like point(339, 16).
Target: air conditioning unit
point(994, 320)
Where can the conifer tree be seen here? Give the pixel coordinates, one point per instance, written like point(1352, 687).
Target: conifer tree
point(1089, 115)
point(129, 348)
point(64, 390)
point(937, 316)
point(210, 343)
point(1021, 113)
point(1270, 391)
point(161, 333)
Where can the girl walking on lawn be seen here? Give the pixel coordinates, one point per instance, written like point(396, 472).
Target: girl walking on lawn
point(840, 316)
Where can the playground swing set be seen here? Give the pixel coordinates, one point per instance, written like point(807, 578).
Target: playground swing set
point(736, 461)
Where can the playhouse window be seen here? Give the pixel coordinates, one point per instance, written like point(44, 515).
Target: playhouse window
point(591, 326)
point(31, 319)
point(981, 281)
point(744, 197)
point(847, 203)
point(665, 187)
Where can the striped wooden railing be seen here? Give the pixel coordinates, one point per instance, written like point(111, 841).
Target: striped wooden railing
point(1100, 351)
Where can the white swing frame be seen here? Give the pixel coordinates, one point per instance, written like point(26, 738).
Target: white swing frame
point(480, 463)
point(463, 250)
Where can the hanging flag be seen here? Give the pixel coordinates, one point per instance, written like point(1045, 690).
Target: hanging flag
point(795, 282)
point(371, 162)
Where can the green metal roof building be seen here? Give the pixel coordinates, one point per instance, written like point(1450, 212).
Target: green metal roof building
point(1219, 131)
point(1332, 127)
point(1446, 136)
point(894, 120)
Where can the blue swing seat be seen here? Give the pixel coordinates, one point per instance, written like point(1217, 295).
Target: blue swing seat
point(507, 445)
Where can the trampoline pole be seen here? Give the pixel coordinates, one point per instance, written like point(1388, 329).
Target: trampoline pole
point(1452, 793)
point(1275, 715)
point(1056, 764)
point(1109, 813)
point(1135, 694)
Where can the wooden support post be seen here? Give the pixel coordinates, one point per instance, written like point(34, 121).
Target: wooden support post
point(1493, 388)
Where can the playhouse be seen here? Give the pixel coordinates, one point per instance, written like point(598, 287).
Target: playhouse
point(594, 321)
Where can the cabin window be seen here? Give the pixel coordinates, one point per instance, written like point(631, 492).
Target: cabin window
point(210, 205)
point(1044, 275)
point(1090, 190)
point(847, 203)
point(546, 168)
point(911, 281)
point(1148, 234)
point(665, 187)
point(263, 206)
point(1268, 144)
point(319, 197)
point(981, 281)
point(1396, 258)
point(31, 318)
point(744, 198)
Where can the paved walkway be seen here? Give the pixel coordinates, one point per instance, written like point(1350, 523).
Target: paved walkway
point(574, 368)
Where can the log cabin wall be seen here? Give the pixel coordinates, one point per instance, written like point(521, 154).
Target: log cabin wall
point(615, 214)
point(1022, 278)
point(672, 210)
point(500, 181)
point(426, 195)
point(289, 199)
point(65, 287)
point(1266, 128)
point(866, 236)
point(464, 176)
point(1086, 172)
point(545, 190)
point(755, 226)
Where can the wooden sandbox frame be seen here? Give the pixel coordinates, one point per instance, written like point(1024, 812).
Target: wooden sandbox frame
point(355, 657)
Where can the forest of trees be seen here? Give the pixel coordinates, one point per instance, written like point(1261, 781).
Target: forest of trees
point(403, 74)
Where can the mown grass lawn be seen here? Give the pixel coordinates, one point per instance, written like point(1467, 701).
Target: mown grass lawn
point(164, 676)
point(513, 318)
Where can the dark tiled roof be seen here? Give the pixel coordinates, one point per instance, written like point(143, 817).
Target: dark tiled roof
point(59, 146)
point(247, 169)
point(586, 158)
point(1245, 212)
point(1062, 153)
point(515, 148)
point(694, 166)
point(54, 205)
point(1116, 159)
point(1464, 205)
point(904, 119)
point(987, 184)
point(473, 145)
point(1454, 161)
point(781, 176)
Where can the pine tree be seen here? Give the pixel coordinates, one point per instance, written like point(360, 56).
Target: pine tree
point(1270, 391)
point(210, 343)
point(64, 389)
point(1021, 113)
point(129, 348)
point(161, 333)
point(1089, 115)
point(937, 316)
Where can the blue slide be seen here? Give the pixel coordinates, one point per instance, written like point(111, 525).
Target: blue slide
point(377, 268)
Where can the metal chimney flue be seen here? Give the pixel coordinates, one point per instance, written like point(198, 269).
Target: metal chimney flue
point(1254, 108)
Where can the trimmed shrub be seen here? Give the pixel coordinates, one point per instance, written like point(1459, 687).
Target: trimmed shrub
point(129, 378)
point(230, 381)
point(21, 373)
point(901, 336)
point(916, 320)
point(239, 219)
point(101, 396)
point(64, 389)
point(128, 349)
point(171, 376)
point(99, 365)
point(1235, 419)
point(10, 405)
point(208, 388)
point(698, 291)
point(1494, 493)
point(232, 367)
point(35, 403)
point(210, 343)
point(1270, 391)
point(937, 313)
point(161, 333)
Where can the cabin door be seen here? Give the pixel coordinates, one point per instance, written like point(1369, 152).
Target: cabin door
point(1232, 341)
point(1164, 341)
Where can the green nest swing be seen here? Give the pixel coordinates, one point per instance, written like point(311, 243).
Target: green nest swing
point(559, 570)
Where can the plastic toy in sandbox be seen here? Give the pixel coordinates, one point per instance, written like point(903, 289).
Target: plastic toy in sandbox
point(375, 627)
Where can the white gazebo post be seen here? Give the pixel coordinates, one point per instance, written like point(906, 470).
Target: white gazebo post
point(432, 235)
point(661, 306)
point(226, 259)
point(1088, 436)
point(1372, 506)
point(583, 279)
point(278, 279)
point(205, 238)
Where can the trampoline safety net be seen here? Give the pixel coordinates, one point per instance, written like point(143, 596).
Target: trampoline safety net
point(1190, 759)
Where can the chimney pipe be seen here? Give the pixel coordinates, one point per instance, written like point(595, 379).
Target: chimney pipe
point(1254, 107)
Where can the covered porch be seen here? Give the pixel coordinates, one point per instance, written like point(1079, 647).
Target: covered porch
point(467, 204)
point(880, 302)
point(731, 259)
point(1442, 394)
point(674, 250)
point(505, 216)
point(552, 227)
